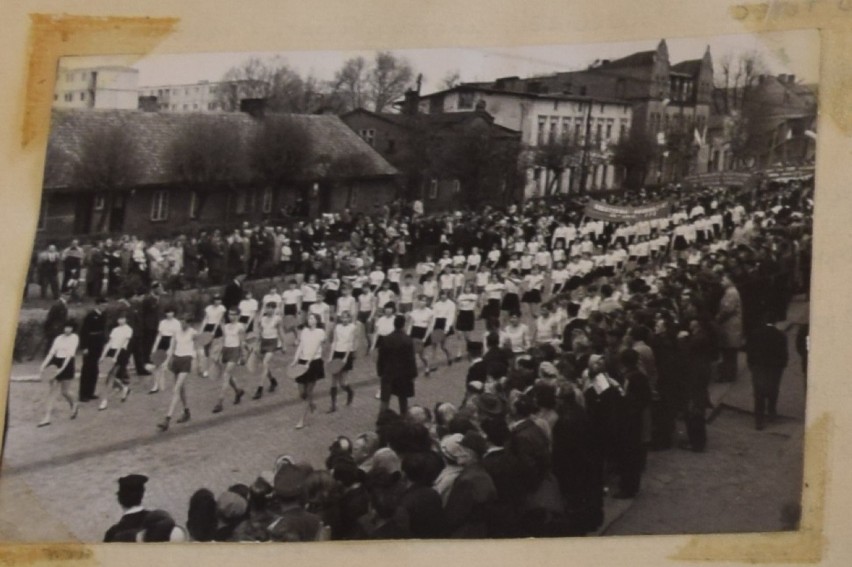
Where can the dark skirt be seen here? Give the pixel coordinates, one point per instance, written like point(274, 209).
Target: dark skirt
point(315, 372)
point(164, 344)
point(306, 305)
point(364, 316)
point(290, 309)
point(680, 243)
point(230, 354)
point(532, 296)
point(511, 303)
point(441, 324)
point(67, 373)
point(245, 319)
point(340, 356)
point(268, 345)
point(418, 333)
point(331, 297)
point(491, 310)
point(465, 321)
point(121, 359)
point(557, 287)
point(394, 287)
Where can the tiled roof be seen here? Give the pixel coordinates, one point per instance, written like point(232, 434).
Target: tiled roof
point(153, 134)
point(690, 67)
point(440, 120)
point(638, 59)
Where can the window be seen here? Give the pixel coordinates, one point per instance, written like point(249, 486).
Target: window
point(465, 100)
point(598, 131)
point(240, 202)
point(433, 189)
point(391, 146)
point(609, 129)
point(578, 130)
point(83, 95)
point(554, 126)
point(185, 106)
point(68, 97)
point(566, 128)
point(622, 132)
point(583, 90)
point(368, 135)
point(266, 200)
point(98, 203)
point(210, 106)
point(194, 106)
point(69, 77)
point(193, 205)
point(160, 206)
point(55, 96)
point(542, 122)
point(456, 186)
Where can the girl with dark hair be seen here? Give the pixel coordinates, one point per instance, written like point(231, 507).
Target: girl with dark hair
point(61, 356)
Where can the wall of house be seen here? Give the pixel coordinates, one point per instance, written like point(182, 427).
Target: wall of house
point(387, 138)
point(361, 195)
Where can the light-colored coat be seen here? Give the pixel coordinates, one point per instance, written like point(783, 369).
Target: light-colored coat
point(730, 319)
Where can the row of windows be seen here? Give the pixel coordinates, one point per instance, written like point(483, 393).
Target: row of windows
point(241, 203)
point(432, 191)
point(676, 122)
point(72, 96)
point(186, 91)
point(72, 76)
point(574, 130)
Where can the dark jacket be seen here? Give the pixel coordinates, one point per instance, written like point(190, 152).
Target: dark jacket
point(425, 512)
point(767, 347)
point(232, 295)
point(397, 363)
point(469, 503)
point(126, 528)
point(55, 321)
point(93, 332)
point(529, 444)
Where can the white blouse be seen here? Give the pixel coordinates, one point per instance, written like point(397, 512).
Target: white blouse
point(310, 344)
point(344, 338)
point(65, 346)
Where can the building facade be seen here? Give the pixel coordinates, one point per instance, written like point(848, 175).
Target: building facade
point(96, 87)
point(204, 96)
point(149, 195)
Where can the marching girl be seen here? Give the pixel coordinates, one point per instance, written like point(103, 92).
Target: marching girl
point(383, 326)
point(559, 254)
point(483, 276)
point(447, 282)
point(407, 293)
point(425, 268)
point(166, 331)
point(546, 328)
point(212, 323)
point(310, 288)
point(514, 263)
point(543, 260)
point(377, 276)
point(527, 259)
point(248, 308)
point(511, 299)
point(270, 326)
point(533, 283)
point(290, 307)
point(233, 337)
point(642, 251)
point(444, 311)
point(342, 348)
point(558, 278)
point(385, 295)
point(331, 287)
point(493, 297)
point(515, 335)
point(321, 309)
point(309, 352)
point(366, 309)
point(182, 353)
point(395, 277)
point(360, 282)
point(444, 261)
point(346, 302)
point(272, 296)
point(430, 289)
point(494, 257)
point(474, 260)
point(459, 260)
point(421, 321)
point(117, 349)
point(467, 302)
point(61, 355)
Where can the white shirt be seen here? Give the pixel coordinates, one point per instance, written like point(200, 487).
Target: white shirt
point(276, 298)
point(213, 314)
point(474, 260)
point(494, 256)
point(559, 276)
point(482, 279)
point(65, 346)
point(377, 277)
point(406, 293)
point(494, 290)
point(168, 327)
point(366, 301)
point(184, 342)
point(430, 288)
point(120, 336)
point(344, 338)
point(467, 301)
point(269, 326)
point(534, 281)
point(309, 292)
point(321, 310)
point(545, 329)
point(248, 307)
point(516, 336)
point(445, 309)
point(421, 317)
point(231, 334)
point(384, 325)
point(310, 344)
point(448, 281)
point(394, 274)
point(384, 296)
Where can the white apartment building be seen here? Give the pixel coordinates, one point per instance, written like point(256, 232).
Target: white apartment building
point(542, 118)
point(97, 87)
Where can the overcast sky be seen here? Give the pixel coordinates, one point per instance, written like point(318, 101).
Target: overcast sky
point(786, 52)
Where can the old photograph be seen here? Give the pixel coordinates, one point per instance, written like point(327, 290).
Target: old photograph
point(460, 293)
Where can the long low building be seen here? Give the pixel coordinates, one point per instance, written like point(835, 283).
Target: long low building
point(129, 171)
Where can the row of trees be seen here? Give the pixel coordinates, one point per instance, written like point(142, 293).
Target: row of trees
point(359, 83)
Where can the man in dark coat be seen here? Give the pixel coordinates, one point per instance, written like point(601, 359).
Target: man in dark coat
point(92, 340)
point(528, 443)
point(636, 401)
point(767, 356)
point(233, 292)
point(131, 490)
point(397, 367)
point(150, 315)
point(420, 500)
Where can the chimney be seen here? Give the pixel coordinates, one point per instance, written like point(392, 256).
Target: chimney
point(254, 107)
point(411, 104)
point(480, 105)
point(148, 104)
point(791, 79)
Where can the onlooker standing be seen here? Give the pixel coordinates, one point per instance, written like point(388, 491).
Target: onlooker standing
point(92, 341)
point(55, 320)
point(730, 323)
point(767, 357)
point(397, 367)
point(48, 272)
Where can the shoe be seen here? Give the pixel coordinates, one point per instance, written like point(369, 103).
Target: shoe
point(184, 418)
point(449, 362)
point(44, 423)
point(238, 396)
point(83, 399)
point(273, 384)
point(93, 397)
point(350, 394)
point(163, 425)
point(75, 411)
point(218, 408)
point(144, 373)
point(379, 395)
point(124, 393)
point(103, 405)
point(332, 409)
point(312, 406)
point(258, 394)
point(153, 390)
point(300, 425)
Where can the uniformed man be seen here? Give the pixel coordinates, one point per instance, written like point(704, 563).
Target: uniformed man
point(92, 340)
point(131, 490)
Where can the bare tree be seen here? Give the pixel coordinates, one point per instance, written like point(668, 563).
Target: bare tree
point(206, 154)
point(636, 154)
point(251, 79)
point(737, 77)
point(388, 78)
point(281, 150)
point(555, 157)
point(350, 83)
point(451, 79)
point(271, 79)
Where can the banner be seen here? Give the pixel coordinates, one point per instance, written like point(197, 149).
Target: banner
point(614, 213)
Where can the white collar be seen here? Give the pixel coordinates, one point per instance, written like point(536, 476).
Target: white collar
point(133, 510)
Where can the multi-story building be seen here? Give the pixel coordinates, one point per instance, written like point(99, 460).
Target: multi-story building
point(204, 96)
point(664, 103)
point(592, 125)
point(96, 87)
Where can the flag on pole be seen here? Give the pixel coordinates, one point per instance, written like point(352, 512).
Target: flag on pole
point(789, 134)
point(811, 134)
point(697, 137)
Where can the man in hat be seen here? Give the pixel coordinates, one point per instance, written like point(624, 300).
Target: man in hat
point(767, 356)
point(131, 490)
point(294, 523)
point(93, 337)
point(397, 367)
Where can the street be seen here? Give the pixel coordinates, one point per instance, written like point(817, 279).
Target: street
point(59, 482)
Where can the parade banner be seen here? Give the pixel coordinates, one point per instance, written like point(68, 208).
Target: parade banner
point(614, 213)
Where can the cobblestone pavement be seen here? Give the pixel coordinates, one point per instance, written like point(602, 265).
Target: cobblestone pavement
point(58, 483)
